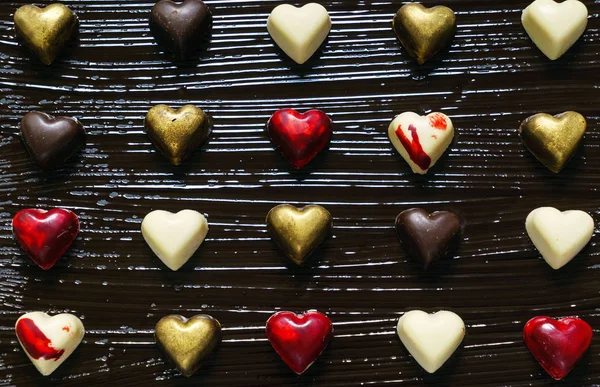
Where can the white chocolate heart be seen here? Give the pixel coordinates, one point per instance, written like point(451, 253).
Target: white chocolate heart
point(431, 338)
point(49, 341)
point(559, 236)
point(174, 237)
point(299, 31)
point(421, 140)
point(554, 27)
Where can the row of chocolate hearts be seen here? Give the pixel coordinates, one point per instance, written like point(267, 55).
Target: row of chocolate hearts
point(420, 140)
point(299, 339)
point(174, 238)
point(553, 27)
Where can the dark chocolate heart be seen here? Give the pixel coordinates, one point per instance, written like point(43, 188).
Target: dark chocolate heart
point(428, 237)
point(51, 140)
point(180, 27)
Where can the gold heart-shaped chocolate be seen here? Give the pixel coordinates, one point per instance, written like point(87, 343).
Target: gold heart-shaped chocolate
point(298, 231)
point(553, 139)
point(45, 30)
point(187, 342)
point(177, 133)
point(424, 31)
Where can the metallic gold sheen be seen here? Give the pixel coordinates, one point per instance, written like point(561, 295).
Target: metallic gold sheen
point(424, 31)
point(187, 342)
point(177, 133)
point(298, 231)
point(553, 139)
point(45, 30)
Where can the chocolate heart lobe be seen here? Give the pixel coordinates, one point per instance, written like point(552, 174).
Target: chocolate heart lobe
point(51, 140)
point(428, 237)
point(180, 27)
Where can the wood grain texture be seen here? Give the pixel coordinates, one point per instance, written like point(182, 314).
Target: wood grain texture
point(488, 81)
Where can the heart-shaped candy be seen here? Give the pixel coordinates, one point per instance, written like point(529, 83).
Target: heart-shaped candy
point(298, 232)
point(299, 339)
point(553, 140)
point(421, 140)
point(187, 342)
point(177, 133)
point(174, 237)
point(559, 236)
point(51, 140)
point(431, 338)
point(45, 235)
point(299, 31)
point(299, 136)
point(49, 341)
point(426, 236)
point(554, 27)
point(45, 30)
point(557, 345)
point(180, 27)
point(424, 31)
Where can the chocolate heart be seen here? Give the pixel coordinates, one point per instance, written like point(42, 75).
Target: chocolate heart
point(557, 345)
point(180, 27)
point(299, 136)
point(422, 31)
point(48, 341)
point(177, 133)
point(187, 342)
point(299, 339)
point(45, 30)
point(51, 140)
point(553, 140)
point(428, 237)
point(45, 235)
point(298, 232)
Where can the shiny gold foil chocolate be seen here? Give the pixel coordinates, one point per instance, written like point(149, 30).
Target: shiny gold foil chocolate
point(187, 342)
point(424, 31)
point(298, 232)
point(45, 30)
point(177, 133)
point(553, 139)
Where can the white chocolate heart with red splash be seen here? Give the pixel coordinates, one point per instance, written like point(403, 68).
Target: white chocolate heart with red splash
point(49, 341)
point(431, 338)
point(559, 236)
point(555, 27)
point(174, 237)
point(421, 140)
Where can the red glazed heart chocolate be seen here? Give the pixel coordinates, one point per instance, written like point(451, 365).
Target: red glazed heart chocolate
point(299, 338)
point(428, 237)
point(180, 27)
point(557, 344)
point(51, 140)
point(299, 136)
point(45, 235)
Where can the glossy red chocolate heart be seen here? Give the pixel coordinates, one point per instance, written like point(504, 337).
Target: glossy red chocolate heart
point(299, 338)
point(45, 235)
point(557, 344)
point(299, 136)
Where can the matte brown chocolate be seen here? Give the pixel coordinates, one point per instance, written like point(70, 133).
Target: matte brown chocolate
point(428, 237)
point(51, 140)
point(180, 27)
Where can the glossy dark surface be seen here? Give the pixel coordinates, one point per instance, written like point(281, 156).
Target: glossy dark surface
point(490, 79)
